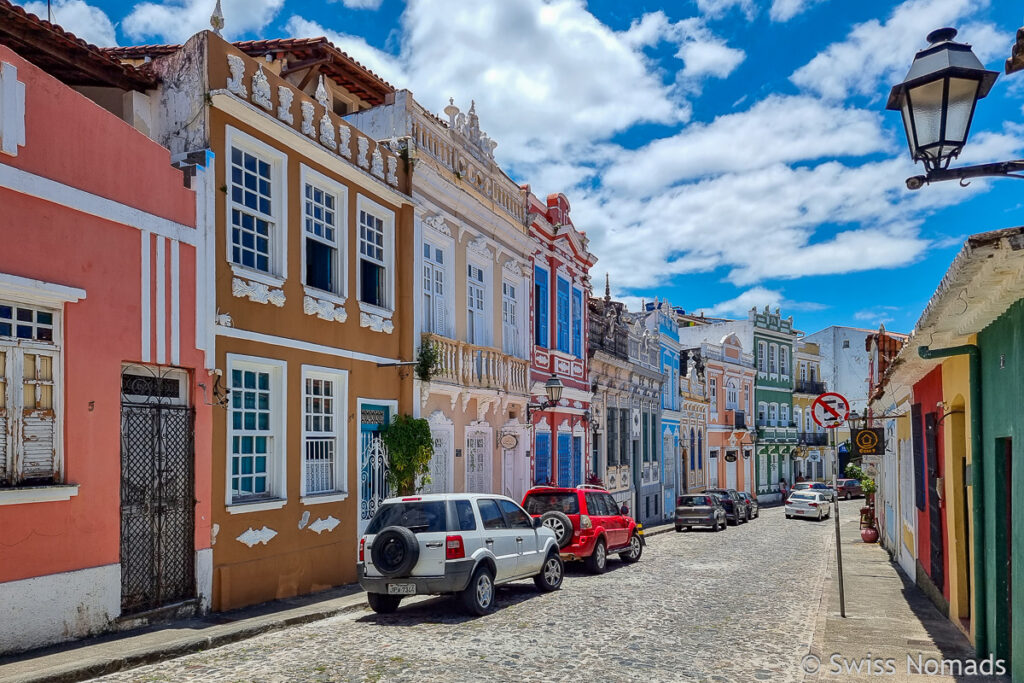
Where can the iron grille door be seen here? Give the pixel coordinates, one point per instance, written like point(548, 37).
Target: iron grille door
point(157, 497)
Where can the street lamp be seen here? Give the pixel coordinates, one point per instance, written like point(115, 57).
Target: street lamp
point(937, 100)
point(553, 389)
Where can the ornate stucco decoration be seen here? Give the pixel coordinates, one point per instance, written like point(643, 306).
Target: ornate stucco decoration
point(516, 268)
point(324, 524)
point(377, 167)
point(345, 141)
point(392, 171)
point(375, 322)
point(321, 95)
point(237, 68)
point(479, 246)
point(327, 133)
point(307, 119)
point(261, 89)
point(257, 292)
point(252, 537)
point(284, 104)
point(436, 222)
point(468, 126)
point(324, 309)
point(364, 148)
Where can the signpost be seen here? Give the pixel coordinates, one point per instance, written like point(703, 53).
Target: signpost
point(868, 441)
point(831, 410)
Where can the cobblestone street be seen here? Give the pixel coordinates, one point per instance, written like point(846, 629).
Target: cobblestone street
point(737, 605)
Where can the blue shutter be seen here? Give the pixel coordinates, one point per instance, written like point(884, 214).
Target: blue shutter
point(540, 307)
point(577, 323)
point(563, 315)
point(564, 460)
point(577, 459)
point(693, 455)
point(700, 450)
point(542, 460)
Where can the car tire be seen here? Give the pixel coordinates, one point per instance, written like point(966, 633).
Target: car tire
point(395, 551)
point(848, 496)
point(636, 549)
point(789, 516)
point(551, 573)
point(383, 604)
point(560, 523)
point(478, 597)
point(597, 563)
point(717, 526)
point(679, 529)
point(732, 523)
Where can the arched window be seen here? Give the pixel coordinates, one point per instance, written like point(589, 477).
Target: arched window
point(760, 356)
point(762, 411)
point(772, 348)
point(731, 395)
point(783, 360)
point(773, 413)
point(798, 417)
point(784, 414)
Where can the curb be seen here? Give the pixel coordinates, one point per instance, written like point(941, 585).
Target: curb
point(88, 670)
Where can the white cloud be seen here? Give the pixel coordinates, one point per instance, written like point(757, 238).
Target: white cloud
point(776, 129)
point(784, 10)
point(758, 297)
point(716, 9)
point(877, 53)
point(178, 20)
point(709, 58)
point(701, 51)
point(89, 23)
point(360, 4)
point(877, 315)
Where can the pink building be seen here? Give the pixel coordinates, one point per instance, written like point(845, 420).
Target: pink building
point(561, 288)
point(104, 430)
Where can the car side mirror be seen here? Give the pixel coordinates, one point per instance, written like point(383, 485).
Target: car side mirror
point(537, 522)
point(624, 510)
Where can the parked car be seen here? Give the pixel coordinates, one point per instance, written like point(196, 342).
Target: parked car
point(461, 544)
point(849, 488)
point(753, 509)
point(699, 509)
point(735, 506)
point(821, 487)
point(588, 524)
point(808, 503)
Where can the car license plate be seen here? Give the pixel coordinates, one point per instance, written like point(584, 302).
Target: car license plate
point(401, 589)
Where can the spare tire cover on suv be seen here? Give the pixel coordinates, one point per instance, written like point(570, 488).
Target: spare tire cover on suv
point(395, 551)
point(560, 523)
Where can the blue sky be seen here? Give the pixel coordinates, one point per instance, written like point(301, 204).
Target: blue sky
point(719, 153)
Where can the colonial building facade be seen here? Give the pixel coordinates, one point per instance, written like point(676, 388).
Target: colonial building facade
point(102, 379)
point(660, 317)
point(561, 286)
point(645, 420)
point(693, 423)
point(308, 267)
point(472, 299)
point(814, 450)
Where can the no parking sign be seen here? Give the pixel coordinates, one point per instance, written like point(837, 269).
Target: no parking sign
point(830, 410)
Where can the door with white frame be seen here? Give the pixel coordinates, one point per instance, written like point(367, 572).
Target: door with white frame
point(515, 462)
point(441, 472)
point(478, 459)
point(731, 464)
point(476, 306)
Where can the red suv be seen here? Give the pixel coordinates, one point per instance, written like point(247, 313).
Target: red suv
point(588, 524)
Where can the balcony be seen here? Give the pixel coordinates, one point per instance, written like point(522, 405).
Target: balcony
point(737, 419)
point(808, 386)
point(813, 439)
point(480, 367)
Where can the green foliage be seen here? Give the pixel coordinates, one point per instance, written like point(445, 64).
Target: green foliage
point(410, 446)
point(854, 472)
point(428, 360)
point(868, 486)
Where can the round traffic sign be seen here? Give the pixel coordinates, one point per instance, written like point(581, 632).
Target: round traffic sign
point(830, 410)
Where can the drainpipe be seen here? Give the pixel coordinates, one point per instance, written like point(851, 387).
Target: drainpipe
point(977, 482)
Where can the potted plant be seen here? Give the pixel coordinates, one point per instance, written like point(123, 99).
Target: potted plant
point(410, 447)
point(428, 361)
point(868, 532)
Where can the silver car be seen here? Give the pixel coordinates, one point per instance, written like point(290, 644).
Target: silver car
point(808, 504)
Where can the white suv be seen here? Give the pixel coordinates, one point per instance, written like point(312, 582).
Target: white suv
point(459, 543)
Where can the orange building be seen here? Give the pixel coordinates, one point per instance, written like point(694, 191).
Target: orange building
point(104, 430)
point(310, 270)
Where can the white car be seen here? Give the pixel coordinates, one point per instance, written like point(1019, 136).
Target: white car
point(808, 503)
point(454, 543)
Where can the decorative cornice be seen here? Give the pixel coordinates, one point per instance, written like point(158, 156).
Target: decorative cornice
point(324, 309)
point(376, 322)
point(479, 246)
point(437, 223)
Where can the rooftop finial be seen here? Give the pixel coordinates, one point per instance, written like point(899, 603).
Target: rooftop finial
point(217, 19)
point(607, 287)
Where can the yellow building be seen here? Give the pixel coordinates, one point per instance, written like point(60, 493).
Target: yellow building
point(813, 452)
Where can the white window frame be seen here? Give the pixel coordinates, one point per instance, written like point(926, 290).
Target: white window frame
point(773, 414)
point(308, 176)
point(514, 346)
point(761, 355)
point(713, 392)
point(277, 483)
point(341, 447)
point(488, 286)
point(279, 207)
point(388, 217)
point(762, 411)
point(784, 414)
point(732, 398)
point(772, 356)
point(783, 361)
point(446, 246)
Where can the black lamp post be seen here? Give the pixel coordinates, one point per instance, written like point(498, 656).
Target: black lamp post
point(937, 101)
point(553, 389)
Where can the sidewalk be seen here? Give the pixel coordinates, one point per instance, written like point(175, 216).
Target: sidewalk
point(91, 657)
point(887, 617)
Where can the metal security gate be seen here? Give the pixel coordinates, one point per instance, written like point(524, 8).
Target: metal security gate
point(157, 489)
point(373, 461)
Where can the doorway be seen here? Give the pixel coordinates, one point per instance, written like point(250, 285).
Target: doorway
point(1004, 551)
point(157, 488)
point(373, 458)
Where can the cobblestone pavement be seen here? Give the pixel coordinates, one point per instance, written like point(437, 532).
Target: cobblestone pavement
point(737, 605)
